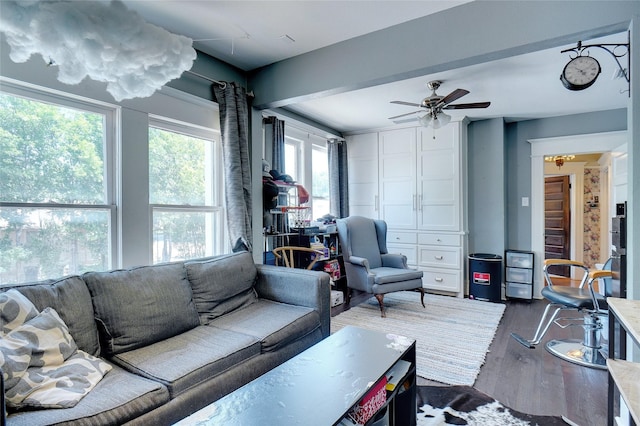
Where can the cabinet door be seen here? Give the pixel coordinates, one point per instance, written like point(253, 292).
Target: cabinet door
point(362, 151)
point(397, 181)
point(438, 179)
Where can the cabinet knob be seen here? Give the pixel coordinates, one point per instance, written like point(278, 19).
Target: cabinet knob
point(438, 240)
point(439, 279)
point(438, 257)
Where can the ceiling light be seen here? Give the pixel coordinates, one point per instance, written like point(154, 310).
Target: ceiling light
point(559, 159)
point(103, 41)
point(440, 120)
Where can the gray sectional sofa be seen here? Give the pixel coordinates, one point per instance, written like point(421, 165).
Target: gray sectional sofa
point(178, 336)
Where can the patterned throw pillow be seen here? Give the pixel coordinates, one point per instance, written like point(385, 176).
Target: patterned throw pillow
point(41, 364)
point(15, 310)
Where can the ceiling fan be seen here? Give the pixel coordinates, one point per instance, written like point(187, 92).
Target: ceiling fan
point(435, 104)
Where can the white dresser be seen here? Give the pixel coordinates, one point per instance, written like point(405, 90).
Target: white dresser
point(419, 192)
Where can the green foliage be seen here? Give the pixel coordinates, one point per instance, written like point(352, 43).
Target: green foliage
point(50, 154)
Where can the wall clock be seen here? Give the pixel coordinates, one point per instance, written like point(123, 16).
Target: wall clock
point(580, 73)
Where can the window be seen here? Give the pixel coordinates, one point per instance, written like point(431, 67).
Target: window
point(307, 162)
point(56, 178)
point(320, 181)
point(184, 166)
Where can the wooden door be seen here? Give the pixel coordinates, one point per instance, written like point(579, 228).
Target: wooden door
point(557, 221)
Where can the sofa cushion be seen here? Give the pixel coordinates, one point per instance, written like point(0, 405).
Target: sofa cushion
point(70, 298)
point(190, 358)
point(140, 306)
point(222, 284)
point(273, 324)
point(119, 397)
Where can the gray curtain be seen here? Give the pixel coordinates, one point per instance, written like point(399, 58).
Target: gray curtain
point(274, 134)
point(338, 178)
point(234, 129)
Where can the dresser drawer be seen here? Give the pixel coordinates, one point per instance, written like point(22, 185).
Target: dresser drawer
point(401, 237)
point(440, 239)
point(444, 280)
point(439, 257)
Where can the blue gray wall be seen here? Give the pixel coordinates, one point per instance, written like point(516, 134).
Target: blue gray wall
point(486, 186)
point(499, 172)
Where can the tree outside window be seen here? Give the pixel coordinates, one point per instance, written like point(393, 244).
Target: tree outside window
point(55, 200)
point(187, 218)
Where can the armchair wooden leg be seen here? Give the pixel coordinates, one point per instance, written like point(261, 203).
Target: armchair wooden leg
point(380, 298)
point(422, 296)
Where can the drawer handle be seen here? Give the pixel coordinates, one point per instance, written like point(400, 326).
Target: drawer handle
point(439, 280)
point(438, 257)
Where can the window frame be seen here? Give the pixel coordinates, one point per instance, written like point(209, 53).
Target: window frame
point(216, 208)
point(112, 122)
point(305, 143)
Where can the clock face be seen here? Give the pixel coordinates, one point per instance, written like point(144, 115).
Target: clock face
point(580, 73)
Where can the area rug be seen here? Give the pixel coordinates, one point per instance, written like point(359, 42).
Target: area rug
point(452, 334)
point(464, 405)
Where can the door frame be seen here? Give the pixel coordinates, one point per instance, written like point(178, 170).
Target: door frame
point(575, 144)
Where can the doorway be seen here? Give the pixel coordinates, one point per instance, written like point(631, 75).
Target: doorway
point(590, 143)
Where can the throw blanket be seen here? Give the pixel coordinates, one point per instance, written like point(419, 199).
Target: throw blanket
point(464, 405)
point(41, 365)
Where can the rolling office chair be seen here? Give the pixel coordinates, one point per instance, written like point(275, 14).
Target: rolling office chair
point(589, 351)
point(370, 268)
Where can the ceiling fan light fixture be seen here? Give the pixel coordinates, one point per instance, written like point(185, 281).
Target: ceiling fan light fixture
point(425, 120)
point(440, 120)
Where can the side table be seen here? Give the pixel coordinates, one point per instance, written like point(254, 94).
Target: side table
point(623, 375)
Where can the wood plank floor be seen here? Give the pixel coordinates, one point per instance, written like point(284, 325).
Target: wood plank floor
point(532, 380)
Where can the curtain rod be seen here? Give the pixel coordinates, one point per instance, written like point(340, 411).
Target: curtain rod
point(303, 127)
point(219, 83)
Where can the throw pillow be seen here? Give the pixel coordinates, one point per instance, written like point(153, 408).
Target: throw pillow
point(42, 366)
point(15, 310)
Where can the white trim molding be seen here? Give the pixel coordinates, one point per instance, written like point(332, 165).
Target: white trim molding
point(577, 144)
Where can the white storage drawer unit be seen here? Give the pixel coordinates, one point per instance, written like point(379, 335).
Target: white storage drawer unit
point(519, 274)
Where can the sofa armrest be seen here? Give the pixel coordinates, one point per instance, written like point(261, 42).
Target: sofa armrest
point(394, 260)
point(297, 287)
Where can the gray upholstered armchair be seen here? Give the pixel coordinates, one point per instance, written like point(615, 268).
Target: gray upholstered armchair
point(368, 265)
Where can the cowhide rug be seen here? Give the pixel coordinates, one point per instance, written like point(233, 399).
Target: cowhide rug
point(464, 405)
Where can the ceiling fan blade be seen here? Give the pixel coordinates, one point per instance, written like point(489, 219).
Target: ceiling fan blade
point(405, 120)
point(403, 115)
point(405, 103)
point(453, 96)
point(467, 106)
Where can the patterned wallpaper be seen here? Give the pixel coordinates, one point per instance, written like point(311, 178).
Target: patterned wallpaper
point(591, 237)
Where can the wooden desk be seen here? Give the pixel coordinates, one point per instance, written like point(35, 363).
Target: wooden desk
point(624, 375)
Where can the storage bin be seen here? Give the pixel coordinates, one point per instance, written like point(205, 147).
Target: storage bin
point(519, 275)
point(520, 291)
point(519, 259)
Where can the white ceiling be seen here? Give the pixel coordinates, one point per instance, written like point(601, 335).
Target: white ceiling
point(251, 34)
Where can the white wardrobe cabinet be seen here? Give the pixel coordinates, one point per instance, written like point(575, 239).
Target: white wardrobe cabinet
point(419, 188)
